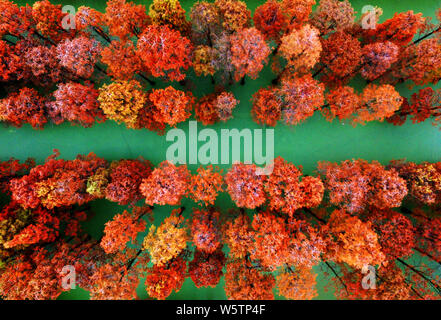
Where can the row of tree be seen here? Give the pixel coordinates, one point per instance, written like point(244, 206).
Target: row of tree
point(57, 66)
point(352, 184)
point(350, 218)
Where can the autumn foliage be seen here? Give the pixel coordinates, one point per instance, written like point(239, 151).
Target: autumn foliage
point(173, 106)
point(143, 67)
point(287, 193)
point(76, 103)
point(122, 229)
point(205, 230)
point(274, 248)
point(311, 51)
point(167, 184)
point(164, 52)
point(206, 185)
point(301, 98)
point(122, 100)
point(124, 180)
point(167, 241)
point(245, 185)
point(206, 269)
point(267, 107)
point(356, 184)
point(244, 282)
point(353, 241)
point(249, 52)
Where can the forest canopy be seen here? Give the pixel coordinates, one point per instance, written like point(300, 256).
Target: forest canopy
point(139, 66)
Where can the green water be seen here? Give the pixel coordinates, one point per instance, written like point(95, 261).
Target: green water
point(305, 144)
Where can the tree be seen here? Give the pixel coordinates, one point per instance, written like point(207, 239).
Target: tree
point(8, 61)
point(287, 193)
point(21, 228)
point(48, 19)
point(125, 19)
point(225, 104)
point(378, 103)
point(377, 58)
point(419, 62)
point(355, 184)
point(205, 185)
point(38, 275)
point(234, 14)
point(271, 240)
point(396, 234)
point(25, 229)
point(301, 48)
point(306, 244)
point(391, 284)
point(205, 20)
point(340, 57)
point(79, 55)
point(88, 20)
point(11, 169)
point(400, 29)
point(164, 52)
point(333, 15)
point(110, 277)
point(267, 106)
point(297, 285)
point(122, 229)
point(249, 52)
point(206, 111)
point(342, 103)
point(109, 284)
point(423, 104)
point(119, 51)
point(239, 236)
point(124, 180)
point(301, 97)
point(25, 106)
point(243, 281)
point(423, 180)
point(162, 280)
point(375, 103)
point(428, 234)
point(270, 20)
point(41, 65)
point(205, 230)
point(171, 13)
point(206, 269)
point(14, 20)
point(97, 183)
point(391, 189)
point(173, 106)
point(57, 182)
point(297, 11)
point(122, 100)
point(203, 60)
point(146, 118)
point(245, 185)
point(215, 107)
point(166, 185)
point(167, 241)
point(352, 241)
point(76, 103)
